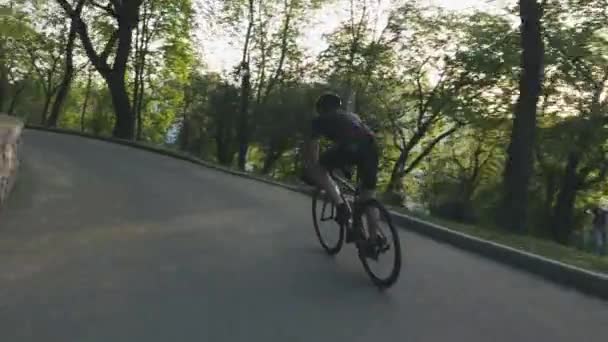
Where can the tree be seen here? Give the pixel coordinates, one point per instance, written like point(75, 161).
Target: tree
point(571, 151)
point(358, 54)
point(468, 61)
point(87, 96)
point(45, 51)
point(15, 70)
point(68, 72)
point(210, 116)
point(125, 13)
point(281, 122)
point(162, 43)
point(267, 51)
point(520, 160)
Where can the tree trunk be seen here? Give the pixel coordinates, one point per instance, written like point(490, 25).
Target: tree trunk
point(85, 103)
point(222, 141)
point(395, 184)
point(563, 222)
point(243, 125)
point(45, 109)
point(4, 83)
point(184, 133)
point(520, 161)
point(138, 109)
point(273, 154)
point(15, 98)
point(243, 128)
point(68, 74)
point(124, 127)
point(224, 152)
point(136, 70)
point(184, 136)
point(142, 39)
point(550, 191)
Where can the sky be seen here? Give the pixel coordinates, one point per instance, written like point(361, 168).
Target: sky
point(220, 55)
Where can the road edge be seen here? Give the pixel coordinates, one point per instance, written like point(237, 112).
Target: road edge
point(589, 282)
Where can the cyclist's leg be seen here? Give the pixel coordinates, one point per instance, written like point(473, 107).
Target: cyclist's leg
point(368, 171)
point(337, 157)
point(331, 159)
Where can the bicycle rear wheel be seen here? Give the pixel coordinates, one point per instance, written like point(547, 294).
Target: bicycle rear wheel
point(387, 250)
point(329, 232)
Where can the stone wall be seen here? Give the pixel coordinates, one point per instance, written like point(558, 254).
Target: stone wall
point(10, 140)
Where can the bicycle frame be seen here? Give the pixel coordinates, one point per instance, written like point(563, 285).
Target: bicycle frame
point(346, 189)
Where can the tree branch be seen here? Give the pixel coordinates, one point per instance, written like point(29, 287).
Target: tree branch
point(476, 154)
point(53, 89)
point(433, 93)
point(34, 58)
point(100, 64)
point(108, 47)
point(457, 161)
point(279, 70)
point(489, 152)
point(107, 8)
point(98, 61)
point(67, 8)
point(248, 35)
point(420, 97)
point(398, 133)
point(429, 148)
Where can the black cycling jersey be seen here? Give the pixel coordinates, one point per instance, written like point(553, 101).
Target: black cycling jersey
point(340, 127)
point(354, 145)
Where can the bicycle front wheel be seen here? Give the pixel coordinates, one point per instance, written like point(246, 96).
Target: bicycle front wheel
point(383, 262)
point(329, 232)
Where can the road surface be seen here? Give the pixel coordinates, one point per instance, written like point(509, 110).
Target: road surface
point(101, 242)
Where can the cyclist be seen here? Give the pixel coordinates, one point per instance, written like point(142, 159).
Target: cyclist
point(354, 145)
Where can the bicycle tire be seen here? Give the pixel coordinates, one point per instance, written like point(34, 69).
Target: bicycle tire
point(383, 282)
point(331, 249)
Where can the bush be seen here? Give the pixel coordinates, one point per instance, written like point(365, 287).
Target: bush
point(456, 210)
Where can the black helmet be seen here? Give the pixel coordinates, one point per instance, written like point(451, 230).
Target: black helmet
point(328, 102)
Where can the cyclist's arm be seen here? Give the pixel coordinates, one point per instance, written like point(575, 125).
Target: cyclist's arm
point(310, 150)
point(313, 170)
point(311, 153)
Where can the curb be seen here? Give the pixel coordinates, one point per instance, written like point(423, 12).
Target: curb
point(591, 283)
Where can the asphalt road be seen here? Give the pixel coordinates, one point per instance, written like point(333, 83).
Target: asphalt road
point(101, 242)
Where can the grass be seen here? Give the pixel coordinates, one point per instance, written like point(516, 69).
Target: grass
point(545, 248)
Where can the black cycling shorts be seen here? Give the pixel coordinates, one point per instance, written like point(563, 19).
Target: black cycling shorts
point(360, 153)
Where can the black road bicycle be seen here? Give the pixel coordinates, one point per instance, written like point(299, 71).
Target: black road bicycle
point(331, 235)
